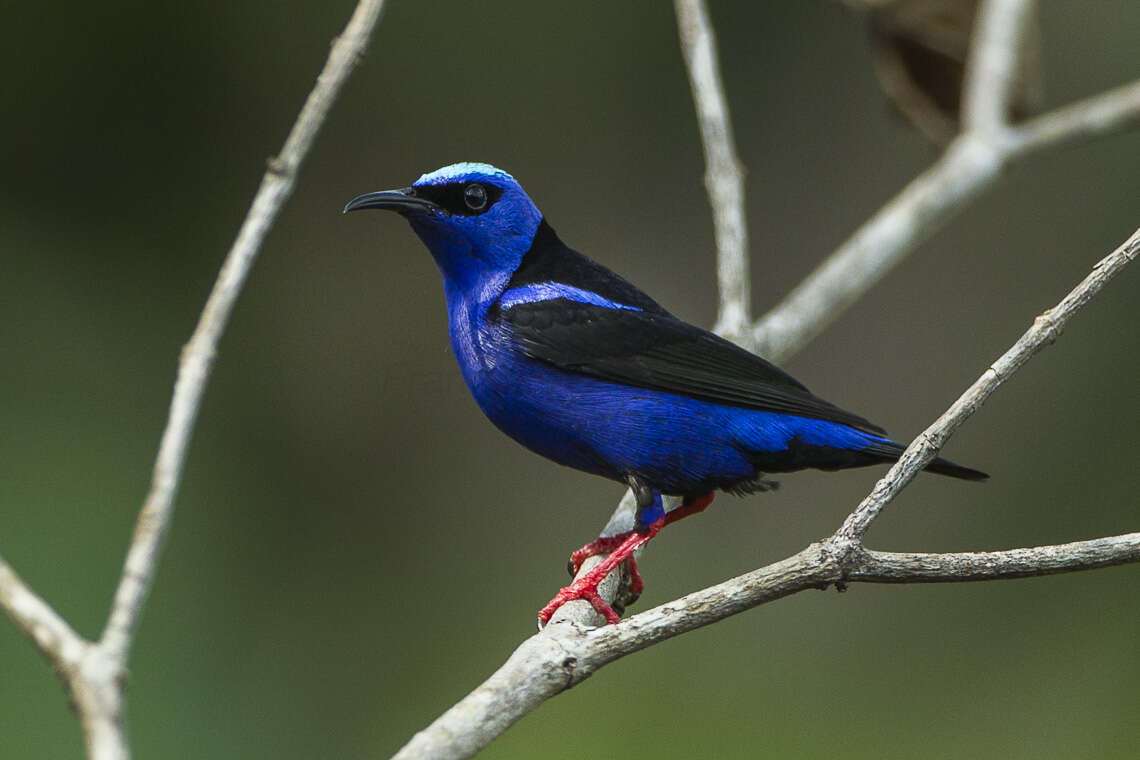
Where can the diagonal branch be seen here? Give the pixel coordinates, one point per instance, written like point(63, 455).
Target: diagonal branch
point(198, 355)
point(970, 166)
point(926, 446)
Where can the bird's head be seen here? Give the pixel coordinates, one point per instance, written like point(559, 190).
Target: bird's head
point(475, 219)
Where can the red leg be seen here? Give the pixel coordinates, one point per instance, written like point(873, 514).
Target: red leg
point(620, 548)
point(606, 544)
point(586, 587)
point(698, 504)
point(600, 545)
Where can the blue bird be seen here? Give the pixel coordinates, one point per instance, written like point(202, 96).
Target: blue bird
point(580, 366)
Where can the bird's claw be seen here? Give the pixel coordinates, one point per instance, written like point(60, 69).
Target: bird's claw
point(585, 588)
point(600, 545)
point(620, 549)
point(606, 545)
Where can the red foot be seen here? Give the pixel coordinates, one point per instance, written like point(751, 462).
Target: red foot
point(605, 545)
point(586, 587)
point(620, 548)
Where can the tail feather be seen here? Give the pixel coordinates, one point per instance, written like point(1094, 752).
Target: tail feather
point(946, 467)
point(891, 451)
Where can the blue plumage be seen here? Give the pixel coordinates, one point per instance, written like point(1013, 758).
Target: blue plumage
point(580, 366)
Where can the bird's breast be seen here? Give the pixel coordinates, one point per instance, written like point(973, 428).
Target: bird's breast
point(479, 344)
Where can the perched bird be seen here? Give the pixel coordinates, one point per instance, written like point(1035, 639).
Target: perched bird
point(580, 366)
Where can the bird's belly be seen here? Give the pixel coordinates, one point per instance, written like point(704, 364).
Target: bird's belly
point(676, 444)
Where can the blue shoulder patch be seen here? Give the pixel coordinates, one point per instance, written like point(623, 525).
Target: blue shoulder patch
point(548, 291)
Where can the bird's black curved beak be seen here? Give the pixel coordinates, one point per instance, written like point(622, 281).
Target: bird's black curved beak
point(404, 201)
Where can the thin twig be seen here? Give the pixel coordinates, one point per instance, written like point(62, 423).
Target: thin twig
point(1086, 119)
point(724, 173)
point(95, 672)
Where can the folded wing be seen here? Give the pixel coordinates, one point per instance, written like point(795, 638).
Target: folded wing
point(653, 349)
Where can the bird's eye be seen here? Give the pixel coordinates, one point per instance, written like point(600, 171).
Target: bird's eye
point(475, 196)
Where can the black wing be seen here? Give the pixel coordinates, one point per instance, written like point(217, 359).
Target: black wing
point(655, 350)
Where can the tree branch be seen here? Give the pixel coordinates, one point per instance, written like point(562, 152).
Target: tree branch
point(1097, 116)
point(823, 564)
point(991, 70)
point(198, 355)
point(1046, 327)
point(562, 656)
point(724, 173)
point(970, 165)
point(53, 637)
point(95, 672)
point(957, 567)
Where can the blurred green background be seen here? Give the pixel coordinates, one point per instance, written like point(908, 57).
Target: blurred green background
point(355, 547)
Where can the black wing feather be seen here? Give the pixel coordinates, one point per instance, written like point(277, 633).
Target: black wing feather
point(653, 349)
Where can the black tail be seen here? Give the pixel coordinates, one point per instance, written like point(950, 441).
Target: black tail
point(890, 452)
point(946, 467)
